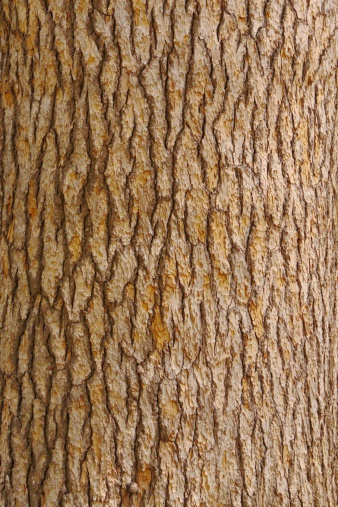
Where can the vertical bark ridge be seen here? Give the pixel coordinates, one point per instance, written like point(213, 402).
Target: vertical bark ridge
point(169, 246)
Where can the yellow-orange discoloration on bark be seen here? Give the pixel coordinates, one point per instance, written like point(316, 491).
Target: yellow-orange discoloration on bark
point(168, 249)
point(160, 331)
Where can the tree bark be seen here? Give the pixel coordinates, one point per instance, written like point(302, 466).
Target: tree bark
point(169, 232)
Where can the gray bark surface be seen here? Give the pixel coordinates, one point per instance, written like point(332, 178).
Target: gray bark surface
point(168, 253)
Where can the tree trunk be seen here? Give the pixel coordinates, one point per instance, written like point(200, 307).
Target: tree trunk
point(169, 231)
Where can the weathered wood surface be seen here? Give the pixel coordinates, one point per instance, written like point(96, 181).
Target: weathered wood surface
point(168, 246)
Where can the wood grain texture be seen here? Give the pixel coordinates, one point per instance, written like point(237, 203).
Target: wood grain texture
point(169, 250)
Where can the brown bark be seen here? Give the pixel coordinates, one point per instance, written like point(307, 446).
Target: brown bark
point(169, 234)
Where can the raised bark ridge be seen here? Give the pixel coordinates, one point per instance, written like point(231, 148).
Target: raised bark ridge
point(168, 303)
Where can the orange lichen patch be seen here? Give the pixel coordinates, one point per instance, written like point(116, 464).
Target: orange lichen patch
point(100, 228)
point(81, 8)
point(5, 265)
point(31, 39)
point(75, 247)
point(160, 331)
point(91, 59)
point(142, 178)
point(144, 478)
point(244, 223)
point(98, 189)
point(206, 281)
point(32, 210)
point(7, 95)
point(245, 384)
point(139, 11)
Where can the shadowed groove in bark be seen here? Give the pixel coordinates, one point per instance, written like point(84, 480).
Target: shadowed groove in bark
point(169, 239)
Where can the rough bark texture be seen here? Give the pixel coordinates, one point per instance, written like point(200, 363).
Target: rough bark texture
point(169, 234)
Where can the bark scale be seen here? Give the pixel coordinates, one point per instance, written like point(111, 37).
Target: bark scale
point(169, 231)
